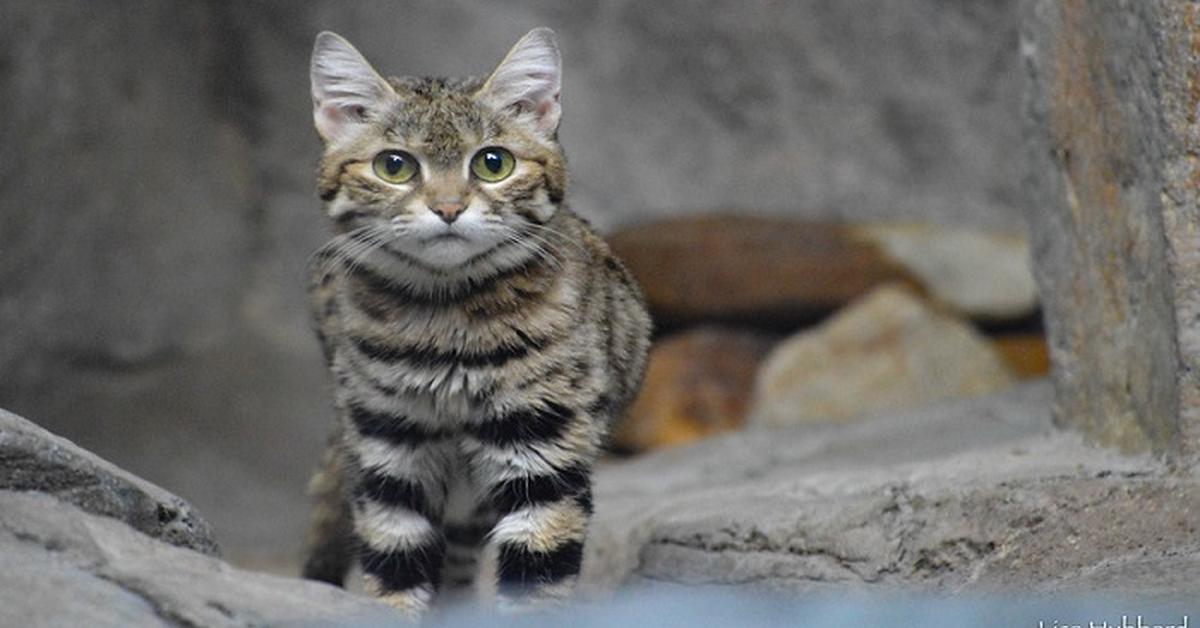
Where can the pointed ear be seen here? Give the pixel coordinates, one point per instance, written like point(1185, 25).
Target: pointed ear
point(346, 90)
point(529, 80)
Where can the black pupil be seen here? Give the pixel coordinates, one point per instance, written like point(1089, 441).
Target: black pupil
point(492, 161)
point(393, 164)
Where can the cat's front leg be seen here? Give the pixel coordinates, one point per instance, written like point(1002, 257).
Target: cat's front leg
point(535, 466)
point(398, 501)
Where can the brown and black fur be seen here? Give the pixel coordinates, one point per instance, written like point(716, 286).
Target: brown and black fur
point(472, 400)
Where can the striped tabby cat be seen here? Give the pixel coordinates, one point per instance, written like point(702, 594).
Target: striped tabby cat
point(481, 335)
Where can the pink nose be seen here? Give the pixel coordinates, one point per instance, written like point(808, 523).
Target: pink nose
point(448, 211)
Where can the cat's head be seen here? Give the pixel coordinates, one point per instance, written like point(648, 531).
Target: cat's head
point(444, 170)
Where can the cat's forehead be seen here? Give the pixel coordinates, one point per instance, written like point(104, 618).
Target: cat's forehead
point(440, 115)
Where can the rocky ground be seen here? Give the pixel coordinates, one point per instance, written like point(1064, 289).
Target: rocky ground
point(964, 497)
point(967, 496)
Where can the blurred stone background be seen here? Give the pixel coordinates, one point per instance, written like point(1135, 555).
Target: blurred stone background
point(157, 203)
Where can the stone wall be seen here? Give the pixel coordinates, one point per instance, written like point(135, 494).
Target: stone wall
point(1111, 117)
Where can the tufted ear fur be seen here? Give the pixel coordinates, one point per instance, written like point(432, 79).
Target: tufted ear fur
point(346, 90)
point(528, 81)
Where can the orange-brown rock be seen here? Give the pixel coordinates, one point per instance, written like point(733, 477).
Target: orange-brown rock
point(1027, 355)
point(781, 273)
point(698, 383)
point(757, 270)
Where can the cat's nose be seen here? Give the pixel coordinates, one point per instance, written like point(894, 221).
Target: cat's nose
point(448, 211)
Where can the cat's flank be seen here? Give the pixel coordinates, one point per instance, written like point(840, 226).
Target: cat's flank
point(481, 336)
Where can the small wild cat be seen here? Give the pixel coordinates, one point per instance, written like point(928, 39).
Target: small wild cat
point(480, 334)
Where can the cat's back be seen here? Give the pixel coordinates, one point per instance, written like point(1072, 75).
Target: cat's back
point(620, 320)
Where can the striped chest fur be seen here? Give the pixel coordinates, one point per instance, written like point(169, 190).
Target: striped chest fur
point(453, 350)
point(496, 383)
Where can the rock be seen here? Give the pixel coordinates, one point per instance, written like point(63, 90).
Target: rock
point(969, 496)
point(886, 350)
point(81, 569)
point(985, 275)
point(1112, 135)
point(780, 274)
point(697, 384)
point(765, 272)
point(1026, 354)
point(32, 459)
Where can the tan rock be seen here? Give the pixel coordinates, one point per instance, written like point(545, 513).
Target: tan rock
point(888, 350)
point(985, 275)
point(698, 383)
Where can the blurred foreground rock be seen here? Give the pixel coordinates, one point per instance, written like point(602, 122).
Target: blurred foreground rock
point(79, 569)
point(32, 459)
point(781, 274)
point(698, 383)
point(93, 545)
point(968, 496)
point(887, 350)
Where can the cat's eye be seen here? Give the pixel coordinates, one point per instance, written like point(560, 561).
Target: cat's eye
point(395, 166)
point(493, 164)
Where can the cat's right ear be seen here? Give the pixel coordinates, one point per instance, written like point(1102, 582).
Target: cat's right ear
point(346, 90)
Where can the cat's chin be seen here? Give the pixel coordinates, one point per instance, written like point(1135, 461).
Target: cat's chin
point(448, 251)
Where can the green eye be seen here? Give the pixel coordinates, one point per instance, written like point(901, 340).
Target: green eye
point(493, 164)
point(395, 166)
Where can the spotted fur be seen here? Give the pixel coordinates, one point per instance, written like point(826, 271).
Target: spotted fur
point(476, 372)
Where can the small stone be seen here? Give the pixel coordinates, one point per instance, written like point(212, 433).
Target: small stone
point(888, 350)
point(697, 384)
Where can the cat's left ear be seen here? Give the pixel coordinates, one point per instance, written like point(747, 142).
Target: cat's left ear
point(529, 80)
point(346, 90)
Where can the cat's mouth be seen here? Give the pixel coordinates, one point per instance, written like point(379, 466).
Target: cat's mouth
point(446, 236)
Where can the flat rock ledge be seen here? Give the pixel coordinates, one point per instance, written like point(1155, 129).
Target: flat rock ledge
point(971, 496)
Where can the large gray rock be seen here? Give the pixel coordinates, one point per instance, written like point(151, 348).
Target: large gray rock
point(78, 569)
point(1113, 134)
point(964, 496)
point(32, 459)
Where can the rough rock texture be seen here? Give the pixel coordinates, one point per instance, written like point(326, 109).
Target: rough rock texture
point(889, 349)
point(1112, 95)
point(966, 496)
point(77, 569)
point(32, 459)
point(698, 383)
